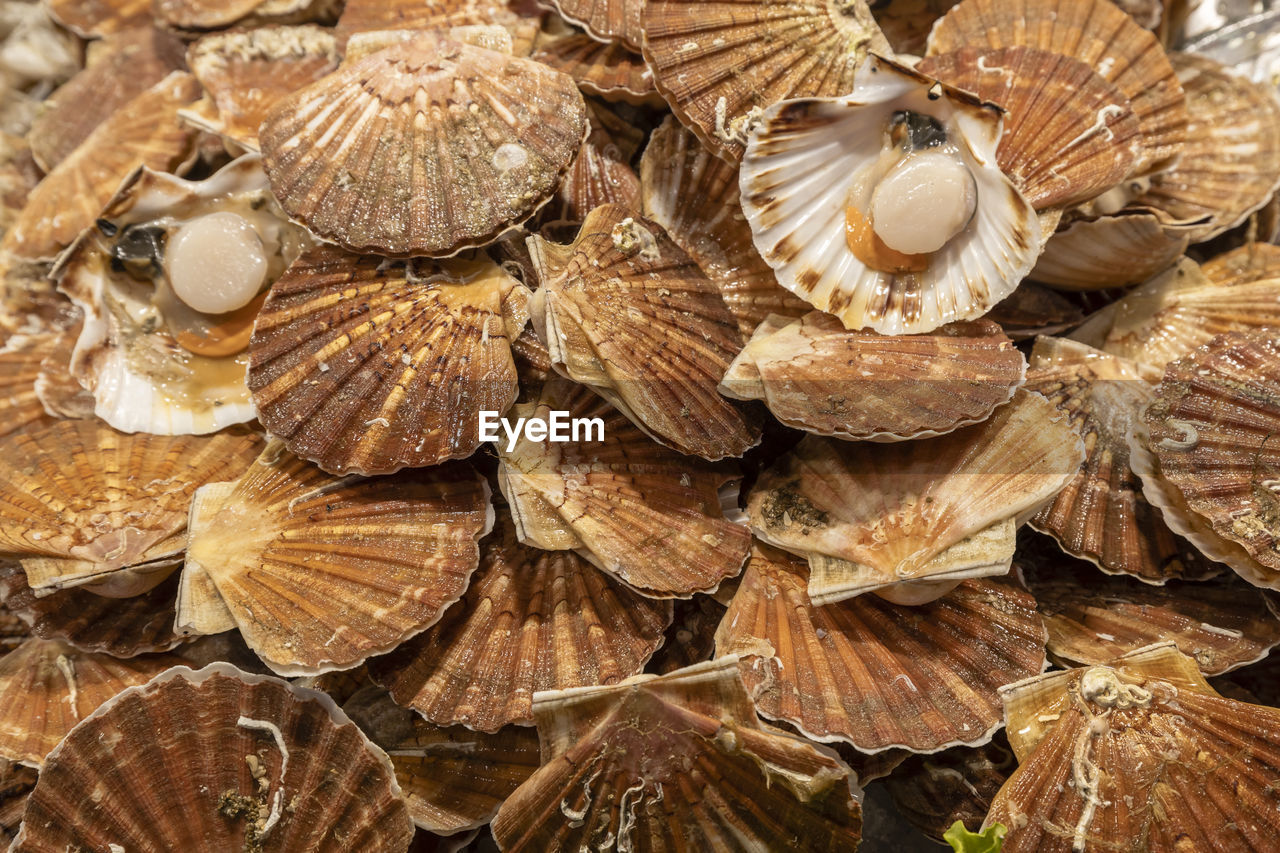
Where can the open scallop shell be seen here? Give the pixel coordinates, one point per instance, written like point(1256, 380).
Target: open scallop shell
point(502, 131)
point(676, 762)
point(97, 18)
point(647, 515)
point(919, 513)
point(20, 360)
point(1110, 251)
point(601, 173)
point(366, 366)
point(320, 572)
point(16, 783)
point(720, 63)
point(606, 20)
point(875, 674)
point(626, 312)
point(521, 20)
point(610, 71)
point(83, 504)
point(693, 195)
point(805, 162)
point(199, 15)
point(817, 376)
point(248, 762)
point(934, 791)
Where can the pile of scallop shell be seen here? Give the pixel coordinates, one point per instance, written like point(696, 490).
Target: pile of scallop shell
point(936, 347)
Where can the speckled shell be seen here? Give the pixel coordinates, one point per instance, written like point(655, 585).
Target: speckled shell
point(249, 762)
point(367, 367)
point(610, 71)
point(94, 502)
point(493, 135)
point(198, 15)
point(647, 515)
point(601, 173)
point(20, 359)
point(870, 517)
point(1110, 251)
point(626, 312)
point(934, 791)
point(16, 782)
point(320, 572)
point(677, 762)
point(361, 16)
point(719, 63)
point(97, 18)
point(817, 376)
point(797, 176)
point(606, 20)
point(875, 674)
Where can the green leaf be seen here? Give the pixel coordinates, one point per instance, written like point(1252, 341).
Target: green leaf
point(964, 841)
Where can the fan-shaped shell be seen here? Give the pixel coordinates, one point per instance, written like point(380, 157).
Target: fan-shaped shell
point(320, 572)
point(426, 147)
point(247, 762)
point(875, 674)
point(869, 517)
point(610, 71)
point(20, 360)
point(1250, 262)
point(97, 18)
point(805, 166)
point(368, 367)
point(817, 376)
point(198, 15)
point(606, 20)
point(676, 762)
point(647, 515)
point(601, 173)
point(16, 782)
point(626, 312)
point(1110, 251)
point(934, 791)
point(362, 16)
point(57, 389)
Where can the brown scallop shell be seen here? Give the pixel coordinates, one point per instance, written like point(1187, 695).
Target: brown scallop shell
point(200, 15)
point(1034, 309)
point(720, 63)
point(694, 196)
point(906, 23)
point(367, 367)
point(1111, 251)
point(97, 18)
point(20, 360)
point(1099, 35)
point(93, 502)
point(363, 16)
point(16, 783)
point(247, 762)
point(491, 136)
point(875, 674)
point(47, 687)
point(645, 514)
point(934, 791)
point(57, 388)
point(817, 376)
point(530, 620)
point(605, 20)
point(1248, 263)
point(610, 71)
point(676, 762)
point(601, 173)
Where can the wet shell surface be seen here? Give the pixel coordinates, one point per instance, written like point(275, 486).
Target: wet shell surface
point(96, 18)
point(492, 135)
point(367, 367)
point(606, 20)
point(676, 762)
point(610, 71)
point(320, 572)
point(811, 181)
point(875, 674)
point(931, 512)
point(817, 376)
point(1110, 251)
point(1250, 262)
point(626, 312)
point(249, 762)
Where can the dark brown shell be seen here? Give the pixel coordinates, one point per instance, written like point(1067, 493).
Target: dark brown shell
point(1034, 309)
point(935, 791)
point(16, 782)
point(610, 71)
point(691, 638)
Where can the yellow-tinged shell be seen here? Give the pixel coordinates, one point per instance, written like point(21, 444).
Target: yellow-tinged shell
point(1110, 251)
point(610, 71)
point(606, 20)
point(58, 390)
point(426, 147)
point(1250, 262)
point(20, 360)
point(248, 762)
point(875, 674)
point(97, 18)
point(362, 16)
point(676, 762)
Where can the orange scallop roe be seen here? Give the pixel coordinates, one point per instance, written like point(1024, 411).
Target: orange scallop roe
point(867, 247)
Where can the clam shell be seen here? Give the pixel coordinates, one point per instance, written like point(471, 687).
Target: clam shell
point(362, 16)
point(601, 173)
point(1034, 309)
point(626, 312)
point(691, 637)
point(530, 620)
point(609, 71)
point(817, 376)
point(48, 687)
point(934, 791)
point(606, 20)
point(691, 738)
point(720, 63)
point(368, 367)
point(320, 572)
point(693, 195)
point(797, 177)
point(97, 18)
point(869, 517)
point(492, 133)
point(248, 762)
point(875, 674)
point(16, 782)
point(1111, 251)
point(20, 359)
point(646, 515)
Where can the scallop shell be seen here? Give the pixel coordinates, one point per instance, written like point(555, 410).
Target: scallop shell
point(145, 130)
point(606, 20)
point(362, 16)
point(676, 762)
point(720, 63)
point(97, 18)
point(646, 515)
point(601, 173)
point(610, 71)
point(93, 502)
point(13, 631)
point(875, 674)
point(694, 196)
point(870, 517)
point(368, 367)
point(1099, 35)
point(934, 791)
point(47, 687)
point(320, 572)
point(1110, 251)
point(531, 620)
point(626, 312)
point(906, 23)
point(1144, 755)
point(494, 134)
point(16, 782)
point(1034, 309)
point(817, 376)
point(59, 392)
point(20, 359)
point(797, 177)
point(197, 15)
point(248, 762)
point(1250, 262)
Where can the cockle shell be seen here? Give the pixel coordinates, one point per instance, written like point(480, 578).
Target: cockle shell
point(610, 71)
